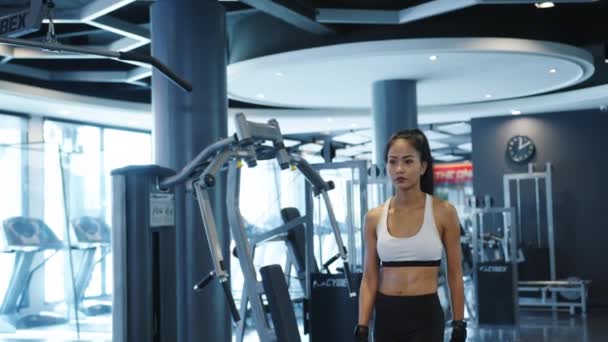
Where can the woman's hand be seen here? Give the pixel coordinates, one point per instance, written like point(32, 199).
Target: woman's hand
point(459, 331)
point(361, 333)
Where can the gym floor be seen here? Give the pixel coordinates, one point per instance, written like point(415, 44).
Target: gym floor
point(541, 326)
point(535, 326)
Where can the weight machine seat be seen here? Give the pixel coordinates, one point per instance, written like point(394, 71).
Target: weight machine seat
point(91, 231)
point(296, 239)
point(26, 233)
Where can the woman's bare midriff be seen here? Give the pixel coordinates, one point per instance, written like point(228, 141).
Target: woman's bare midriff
point(408, 281)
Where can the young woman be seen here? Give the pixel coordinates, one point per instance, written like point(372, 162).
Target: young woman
point(404, 239)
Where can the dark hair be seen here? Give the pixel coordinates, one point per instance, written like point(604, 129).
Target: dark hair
point(419, 141)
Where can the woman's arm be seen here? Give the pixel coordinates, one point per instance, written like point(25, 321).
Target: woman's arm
point(451, 242)
point(369, 283)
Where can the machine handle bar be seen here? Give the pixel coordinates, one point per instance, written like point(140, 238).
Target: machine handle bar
point(126, 56)
point(186, 173)
point(228, 293)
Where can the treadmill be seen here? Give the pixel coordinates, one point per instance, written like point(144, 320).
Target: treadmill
point(92, 235)
point(27, 238)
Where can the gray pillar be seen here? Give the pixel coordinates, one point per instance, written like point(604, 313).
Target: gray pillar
point(190, 37)
point(394, 107)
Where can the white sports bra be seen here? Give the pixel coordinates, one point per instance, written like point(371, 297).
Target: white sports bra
point(422, 249)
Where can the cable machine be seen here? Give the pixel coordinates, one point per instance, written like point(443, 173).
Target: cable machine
point(199, 177)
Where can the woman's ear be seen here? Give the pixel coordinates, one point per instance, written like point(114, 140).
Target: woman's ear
point(423, 166)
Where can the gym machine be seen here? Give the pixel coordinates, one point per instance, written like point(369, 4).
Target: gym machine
point(330, 310)
point(494, 253)
point(141, 254)
point(29, 19)
point(92, 235)
point(27, 238)
point(538, 285)
point(292, 233)
point(352, 180)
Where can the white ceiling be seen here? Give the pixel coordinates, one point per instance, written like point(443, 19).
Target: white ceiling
point(461, 71)
point(37, 101)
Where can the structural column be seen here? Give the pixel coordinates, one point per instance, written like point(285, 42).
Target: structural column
point(190, 37)
point(394, 107)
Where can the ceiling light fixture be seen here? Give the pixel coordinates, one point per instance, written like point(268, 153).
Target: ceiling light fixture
point(279, 74)
point(260, 96)
point(515, 112)
point(488, 96)
point(544, 4)
point(553, 71)
point(433, 58)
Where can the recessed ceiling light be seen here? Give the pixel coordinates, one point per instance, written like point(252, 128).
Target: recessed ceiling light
point(515, 112)
point(433, 58)
point(606, 60)
point(544, 4)
point(488, 96)
point(446, 157)
point(553, 70)
point(351, 138)
point(455, 128)
point(260, 96)
point(466, 147)
point(329, 119)
point(279, 74)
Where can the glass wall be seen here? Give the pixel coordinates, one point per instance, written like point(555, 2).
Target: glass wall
point(60, 181)
point(12, 155)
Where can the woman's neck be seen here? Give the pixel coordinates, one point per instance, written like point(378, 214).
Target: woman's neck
point(409, 197)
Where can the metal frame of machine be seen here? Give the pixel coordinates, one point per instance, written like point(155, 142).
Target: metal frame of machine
point(548, 288)
point(199, 176)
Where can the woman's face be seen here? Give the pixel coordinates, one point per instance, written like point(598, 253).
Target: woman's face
point(404, 165)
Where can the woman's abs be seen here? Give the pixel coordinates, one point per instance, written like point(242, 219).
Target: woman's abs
point(408, 281)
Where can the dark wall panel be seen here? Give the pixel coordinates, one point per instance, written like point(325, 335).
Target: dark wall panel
point(575, 144)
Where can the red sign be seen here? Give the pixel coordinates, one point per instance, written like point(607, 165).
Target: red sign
point(453, 173)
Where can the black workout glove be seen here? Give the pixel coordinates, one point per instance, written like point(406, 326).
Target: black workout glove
point(459, 331)
point(361, 333)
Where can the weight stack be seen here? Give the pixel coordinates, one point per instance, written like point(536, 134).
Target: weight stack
point(497, 301)
point(332, 314)
point(143, 247)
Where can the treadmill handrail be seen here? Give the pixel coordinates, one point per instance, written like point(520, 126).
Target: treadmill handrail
point(186, 172)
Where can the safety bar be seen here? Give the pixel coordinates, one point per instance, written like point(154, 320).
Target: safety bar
point(125, 56)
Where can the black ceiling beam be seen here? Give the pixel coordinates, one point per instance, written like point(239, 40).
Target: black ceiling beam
point(291, 12)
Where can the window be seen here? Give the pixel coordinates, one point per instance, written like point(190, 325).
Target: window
point(88, 155)
point(58, 175)
point(12, 159)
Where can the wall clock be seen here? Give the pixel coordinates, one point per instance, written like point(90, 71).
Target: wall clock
point(520, 148)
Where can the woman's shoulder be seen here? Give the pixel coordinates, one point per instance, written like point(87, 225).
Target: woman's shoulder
point(442, 207)
point(373, 215)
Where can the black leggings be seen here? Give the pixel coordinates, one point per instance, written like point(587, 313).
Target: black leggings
point(408, 318)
